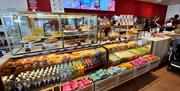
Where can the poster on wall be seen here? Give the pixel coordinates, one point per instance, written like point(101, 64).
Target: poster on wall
point(57, 6)
point(90, 4)
point(73, 4)
point(13, 5)
point(45, 5)
point(107, 5)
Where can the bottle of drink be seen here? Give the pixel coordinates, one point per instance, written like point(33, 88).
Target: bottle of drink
point(39, 83)
point(18, 85)
point(58, 79)
point(35, 84)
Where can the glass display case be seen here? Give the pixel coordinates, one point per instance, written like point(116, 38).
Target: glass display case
point(79, 29)
point(32, 32)
point(111, 29)
point(4, 49)
point(38, 32)
point(107, 33)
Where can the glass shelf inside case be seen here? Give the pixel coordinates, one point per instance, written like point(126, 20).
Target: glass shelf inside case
point(79, 29)
point(33, 32)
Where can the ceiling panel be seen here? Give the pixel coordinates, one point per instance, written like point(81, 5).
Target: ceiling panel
point(164, 2)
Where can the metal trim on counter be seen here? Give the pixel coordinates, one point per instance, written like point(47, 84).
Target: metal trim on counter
point(5, 58)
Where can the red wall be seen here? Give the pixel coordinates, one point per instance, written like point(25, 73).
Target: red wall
point(137, 8)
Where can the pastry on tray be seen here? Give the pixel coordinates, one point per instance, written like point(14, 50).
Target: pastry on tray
point(31, 38)
point(51, 40)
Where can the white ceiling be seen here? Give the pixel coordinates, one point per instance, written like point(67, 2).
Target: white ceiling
point(164, 2)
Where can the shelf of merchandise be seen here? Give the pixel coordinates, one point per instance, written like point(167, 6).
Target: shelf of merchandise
point(96, 56)
point(125, 76)
point(115, 80)
point(111, 82)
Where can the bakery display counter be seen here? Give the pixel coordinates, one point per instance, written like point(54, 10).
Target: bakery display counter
point(62, 52)
point(64, 71)
point(106, 79)
point(31, 73)
point(50, 69)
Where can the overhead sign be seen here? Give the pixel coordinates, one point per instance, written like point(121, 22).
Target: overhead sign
point(57, 6)
point(45, 5)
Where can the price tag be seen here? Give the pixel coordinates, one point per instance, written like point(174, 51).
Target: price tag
point(61, 50)
point(53, 51)
point(45, 52)
point(86, 45)
point(70, 48)
point(79, 47)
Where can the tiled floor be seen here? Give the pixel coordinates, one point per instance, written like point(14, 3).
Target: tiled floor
point(157, 80)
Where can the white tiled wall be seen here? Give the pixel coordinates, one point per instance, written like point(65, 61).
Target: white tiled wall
point(172, 10)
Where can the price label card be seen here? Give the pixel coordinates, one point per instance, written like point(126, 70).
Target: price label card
point(53, 50)
point(70, 48)
point(79, 47)
point(45, 52)
point(86, 45)
point(61, 50)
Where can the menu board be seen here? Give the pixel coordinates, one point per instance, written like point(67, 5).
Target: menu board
point(90, 4)
point(74, 4)
point(107, 5)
